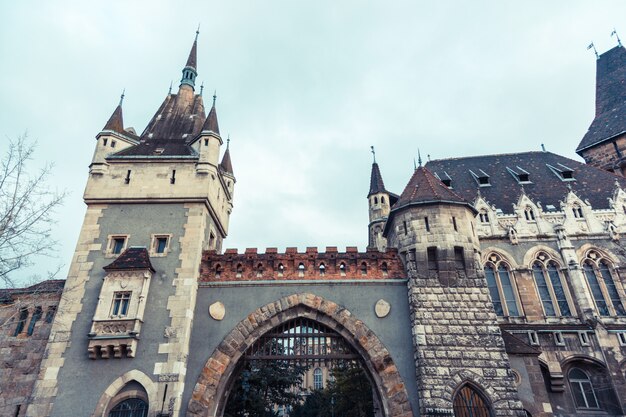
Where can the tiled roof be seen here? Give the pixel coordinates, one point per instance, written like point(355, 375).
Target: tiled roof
point(376, 181)
point(610, 117)
point(191, 60)
point(178, 120)
point(135, 257)
point(226, 164)
point(545, 185)
point(48, 286)
point(210, 124)
point(424, 187)
point(116, 121)
point(515, 345)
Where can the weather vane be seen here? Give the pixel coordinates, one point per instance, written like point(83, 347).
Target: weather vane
point(419, 157)
point(373, 153)
point(122, 96)
point(619, 42)
point(201, 87)
point(197, 31)
point(592, 46)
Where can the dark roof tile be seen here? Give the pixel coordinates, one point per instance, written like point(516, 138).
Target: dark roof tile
point(135, 257)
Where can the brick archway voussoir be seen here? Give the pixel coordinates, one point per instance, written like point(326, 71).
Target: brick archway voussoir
point(213, 381)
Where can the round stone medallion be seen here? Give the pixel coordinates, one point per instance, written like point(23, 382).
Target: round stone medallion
point(217, 310)
point(382, 308)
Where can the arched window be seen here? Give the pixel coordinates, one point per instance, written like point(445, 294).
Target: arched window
point(322, 269)
point(468, 402)
point(133, 407)
point(578, 211)
point(301, 269)
point(529, 214)
point(259, 270)
point(382, 200)
point(375, 200)
point(602, 285)
point(281, 269)
point(501, 287)
point(317, 379)
point(342, 269)
point(582, 389)
point(218, 270)
point(551, 286)
point(483, 216)
point(385, 269)
point(239, 271)
point(363, 268)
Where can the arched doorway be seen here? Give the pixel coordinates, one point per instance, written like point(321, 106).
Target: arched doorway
point(301, 368)
point(469, 402)
point(219, 374)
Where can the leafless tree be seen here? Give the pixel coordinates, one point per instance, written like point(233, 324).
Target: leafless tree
point(27, 205)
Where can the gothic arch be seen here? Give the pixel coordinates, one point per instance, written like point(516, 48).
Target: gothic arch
point(506, 256)
point(209, 394)
point(112, 390)
point(580, 358)
point(464, 377)
point(531, 254)
point(581, 253)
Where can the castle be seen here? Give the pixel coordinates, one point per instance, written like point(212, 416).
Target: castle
point(491, 285)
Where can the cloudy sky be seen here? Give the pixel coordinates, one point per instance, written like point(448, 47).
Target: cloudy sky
point(304, 89)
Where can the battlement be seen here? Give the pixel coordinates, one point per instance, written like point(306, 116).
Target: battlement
point(294, 265)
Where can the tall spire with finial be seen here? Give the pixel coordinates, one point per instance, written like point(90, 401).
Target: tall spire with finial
point(226, 164)
point(376, 179)
point(419, 157)
point(614, 33)
point(116, 121)
point(190, 72)
point(210, 124)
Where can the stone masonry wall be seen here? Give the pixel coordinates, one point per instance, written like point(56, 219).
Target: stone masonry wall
point(604, 156)
point(22, 353)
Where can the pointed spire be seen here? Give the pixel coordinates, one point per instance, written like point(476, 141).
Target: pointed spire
point(376, 181)
point(226, 164)
point(116, 121)
point(210, 124)
point(190, 71)
point(419, 157)
point(424, 187)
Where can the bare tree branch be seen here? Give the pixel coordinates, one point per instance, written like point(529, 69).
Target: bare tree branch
point(27, 206)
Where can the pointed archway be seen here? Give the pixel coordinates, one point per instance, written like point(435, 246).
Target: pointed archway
point(210, 392)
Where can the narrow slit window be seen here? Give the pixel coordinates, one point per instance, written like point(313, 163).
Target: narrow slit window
point(21, 322)
point(456, 229)
point(426, 224)
point(127, 179)
point(173, 177)
point(34, 319)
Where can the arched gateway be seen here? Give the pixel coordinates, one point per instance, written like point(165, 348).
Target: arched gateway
point(210, 392)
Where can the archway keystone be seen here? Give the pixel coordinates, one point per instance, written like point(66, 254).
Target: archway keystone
point(208, 398)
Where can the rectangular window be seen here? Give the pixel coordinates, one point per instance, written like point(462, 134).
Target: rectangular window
point(459, 258)
point(34, 319)
point(584, 338)
point(104, 142)
point(118, 245)
point(621, 337)
point(50, 314)
point(161, 244)
point(533, 338)
point(21, 321)
point(558, 339)
point(121, 300)
point(431, 254)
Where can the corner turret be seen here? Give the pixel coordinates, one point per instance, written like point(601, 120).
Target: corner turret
point(113, 138)
point(433, 229)
point(380, 201)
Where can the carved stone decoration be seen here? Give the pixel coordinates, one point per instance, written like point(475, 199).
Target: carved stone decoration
point(217, 310)
point(170, 332)
point(169, 377)
point(382, 308)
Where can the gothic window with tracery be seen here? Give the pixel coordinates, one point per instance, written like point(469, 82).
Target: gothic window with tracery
point(469, 402)
point(578, 211)
point(484, 216)
point(529, 214)
point(601, 277)
point(551, 286)
point(501, 286)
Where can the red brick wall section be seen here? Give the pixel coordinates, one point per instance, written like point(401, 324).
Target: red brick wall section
point(292, 265)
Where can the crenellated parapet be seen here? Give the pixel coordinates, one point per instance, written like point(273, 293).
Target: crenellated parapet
point(294, 265)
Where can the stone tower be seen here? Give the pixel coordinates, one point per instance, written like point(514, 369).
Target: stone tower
point(455, 330)
point(154, 201)
point(604, 144)
point(380, 201)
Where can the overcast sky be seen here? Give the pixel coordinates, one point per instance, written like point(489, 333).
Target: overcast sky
point(304, 89)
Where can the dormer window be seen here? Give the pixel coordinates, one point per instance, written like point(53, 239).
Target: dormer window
point(484, 216)
point(578, 211)
point(482, 178)
point(529, 214)
point(565, 173)
point(520, 174)
point(445, 179)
